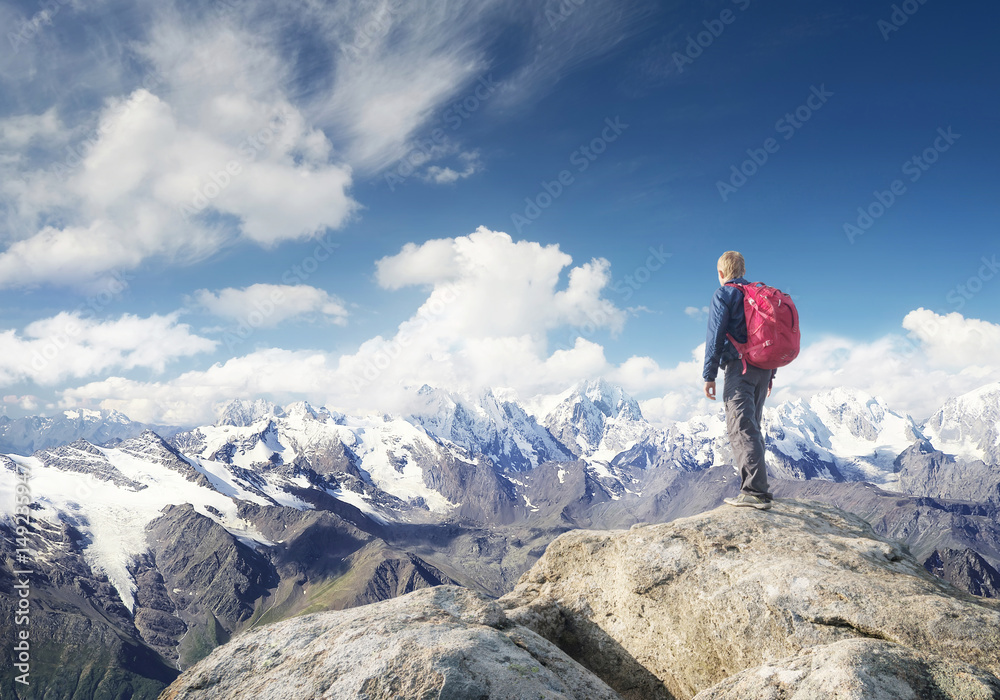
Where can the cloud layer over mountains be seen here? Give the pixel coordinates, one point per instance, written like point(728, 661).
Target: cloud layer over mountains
point(491, 305)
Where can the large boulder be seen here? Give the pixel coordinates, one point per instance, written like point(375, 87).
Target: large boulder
point(666, 611)
point(859, 669)
point(445, 643)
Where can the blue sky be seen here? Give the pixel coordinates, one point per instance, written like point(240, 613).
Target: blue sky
point(367, 143)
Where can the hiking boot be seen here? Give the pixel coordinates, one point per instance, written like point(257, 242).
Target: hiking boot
point(745, 500)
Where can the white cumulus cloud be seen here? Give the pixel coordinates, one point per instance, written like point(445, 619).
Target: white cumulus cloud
point(489, 308)
point(490, 304)
point(210, 153)
point(267, 305)
point(28, 402)
point(487, 285)
point(940, 356)
point(72, 346)
point(953, 340)
point(195, 397)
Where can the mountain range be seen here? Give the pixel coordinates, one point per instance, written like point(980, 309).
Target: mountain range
point(26, 435)
point(156, 545)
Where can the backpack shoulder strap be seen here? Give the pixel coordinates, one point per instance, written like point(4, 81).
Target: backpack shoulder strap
point(741, 287)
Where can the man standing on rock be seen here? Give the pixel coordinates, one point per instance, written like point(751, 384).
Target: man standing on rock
point(743, 392)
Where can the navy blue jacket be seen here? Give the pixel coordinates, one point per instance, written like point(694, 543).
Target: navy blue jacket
point(725, 316)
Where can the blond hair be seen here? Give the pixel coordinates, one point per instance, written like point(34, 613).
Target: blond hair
point(732, 265)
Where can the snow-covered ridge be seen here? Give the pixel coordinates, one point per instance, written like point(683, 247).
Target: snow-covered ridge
point(969, 426)
point(492, 424)
point(388, 467)
point(848, 428)
point(83, 414)
point(349, 455)
point(26, 435)
point(114, 495)
point(597, 420)
point(241, 413)
point(854, 432)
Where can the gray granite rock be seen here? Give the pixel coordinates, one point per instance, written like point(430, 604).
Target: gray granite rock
point(445, 643)
point(670, 610)
point(859, 669)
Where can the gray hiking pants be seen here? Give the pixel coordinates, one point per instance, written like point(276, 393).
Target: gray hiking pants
point(744, 396)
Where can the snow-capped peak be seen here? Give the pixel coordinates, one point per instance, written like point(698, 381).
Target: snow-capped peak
point(488, 424)
point(862, 415)
point(240, 413)
point(306, 411)
point(597, 419)
point(612, 400)
point(969, 426)
point(846, 427)
point(83, 414)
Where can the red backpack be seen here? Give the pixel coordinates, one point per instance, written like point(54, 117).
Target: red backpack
point(772, 327)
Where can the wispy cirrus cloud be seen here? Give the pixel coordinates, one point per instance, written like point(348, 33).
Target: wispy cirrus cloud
point(207, 112)
point(396, 66)
point(211, 153)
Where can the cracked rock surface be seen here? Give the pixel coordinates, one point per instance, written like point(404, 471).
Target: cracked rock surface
point(667, 611)
point(859, 669)
point(445, 643)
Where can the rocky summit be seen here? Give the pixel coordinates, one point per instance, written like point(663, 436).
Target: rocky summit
point(445, 642)
point(671, 610)
point(803, 601)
